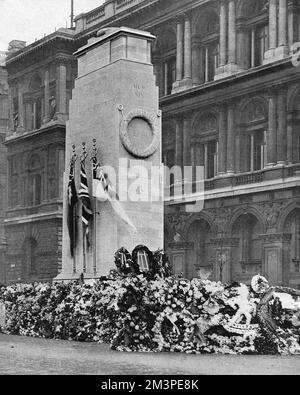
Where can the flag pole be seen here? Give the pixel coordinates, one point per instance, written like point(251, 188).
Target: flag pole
point(82, 162)
point(73, 162)
point(72, 14)
point(95, 164)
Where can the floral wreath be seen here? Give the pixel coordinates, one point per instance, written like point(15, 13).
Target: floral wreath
point(124, 262)
point(259, 284)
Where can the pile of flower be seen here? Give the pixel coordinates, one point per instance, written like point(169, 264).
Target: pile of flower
point(138, 312)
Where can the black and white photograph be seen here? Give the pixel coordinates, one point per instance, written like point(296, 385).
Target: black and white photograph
point(149, 190)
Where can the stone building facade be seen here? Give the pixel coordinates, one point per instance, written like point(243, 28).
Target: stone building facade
point(229, 84)
point(40, 78)
point(3, 128)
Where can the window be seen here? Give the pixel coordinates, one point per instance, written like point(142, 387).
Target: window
point(206, 41)
point(170, 75)
point(35, 190)
point(33, 104)
point(257, 155)
point(260, 45)
point(33, 114)
point(209, 156)
point(164, 59)
point(210, 62)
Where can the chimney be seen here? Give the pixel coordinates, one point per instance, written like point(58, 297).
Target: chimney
point(15, 46)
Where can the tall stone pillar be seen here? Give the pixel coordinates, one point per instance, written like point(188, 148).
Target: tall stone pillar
point(282, 127)
point(179, 52)
point(47, 96)
point(272, 131)
point(223, 33)
point(270, 53)
point(11, 109)
point(231, 32)
point(282, 29)
point(231, 139)
point(272, 24)
point(222, 140)
point(187, 48)
point(61, 89)
point(184, 55)
point(292, 24)
point(282, 51)
point(21, 124)
point(228, 41)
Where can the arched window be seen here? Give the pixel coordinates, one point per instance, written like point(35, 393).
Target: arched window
point(254, 124)
point(164, 59)
point(205, 142)
point(33, 102)
point(254, 24)
point(206, 40)
point(247, 256)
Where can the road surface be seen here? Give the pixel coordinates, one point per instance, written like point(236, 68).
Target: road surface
point(28, 356)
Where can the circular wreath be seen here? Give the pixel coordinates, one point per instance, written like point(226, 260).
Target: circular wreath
point(127, 143)
point(259, 284)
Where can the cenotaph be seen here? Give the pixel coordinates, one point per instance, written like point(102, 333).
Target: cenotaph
point(115, 105)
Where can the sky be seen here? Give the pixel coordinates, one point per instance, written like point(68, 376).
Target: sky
point(28, 20)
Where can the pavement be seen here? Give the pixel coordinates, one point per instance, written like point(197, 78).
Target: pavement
point(29, 356)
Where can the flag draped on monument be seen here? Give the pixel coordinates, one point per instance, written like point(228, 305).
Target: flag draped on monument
point(71, 217)
point(87, 212)
point(103, 190)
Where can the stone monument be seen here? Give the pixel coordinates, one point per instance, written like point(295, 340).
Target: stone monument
point(115, 104)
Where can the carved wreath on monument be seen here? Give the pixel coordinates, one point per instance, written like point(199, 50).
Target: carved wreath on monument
point(150, 121)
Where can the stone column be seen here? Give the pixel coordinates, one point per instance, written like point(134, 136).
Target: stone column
point(231, 139)
point(11, 109)
point(231, 32)
point(272, 24)
point(61, 88)
point(47, 97)
point(282, 30)
point(179, 58)
point(282, 127)
point(21, 108)
point(223, 33)
point(292, 24)
point(222, 140)
point(272, 131)
point(187, 48)
point(290, 147)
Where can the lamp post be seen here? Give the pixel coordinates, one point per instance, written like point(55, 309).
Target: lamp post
point(3, 256)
